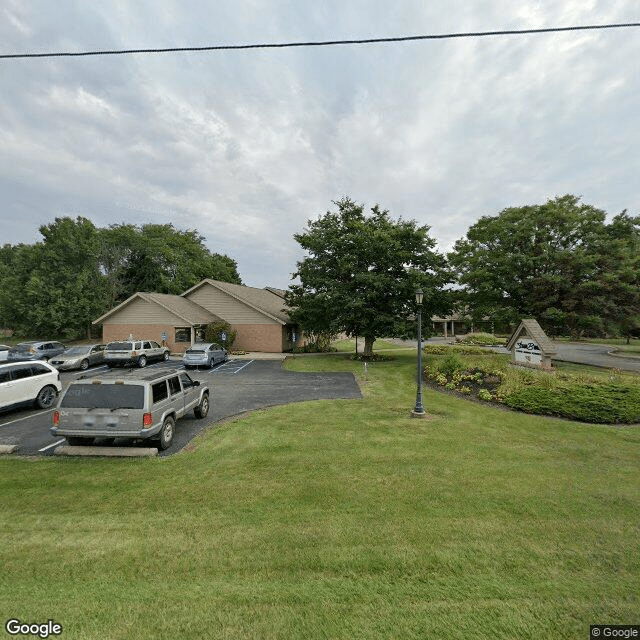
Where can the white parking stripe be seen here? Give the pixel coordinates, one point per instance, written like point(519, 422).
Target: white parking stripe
point(55, 444)
point(243, 366)
point(3, 424)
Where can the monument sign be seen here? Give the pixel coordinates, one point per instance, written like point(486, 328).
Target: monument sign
point(530, 346)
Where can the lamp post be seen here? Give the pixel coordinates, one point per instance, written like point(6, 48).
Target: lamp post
point(418, 411)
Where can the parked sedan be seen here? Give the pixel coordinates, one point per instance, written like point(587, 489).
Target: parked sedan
point(35, 350)
point(204, 354)
point(79, 357)
point(4, 351)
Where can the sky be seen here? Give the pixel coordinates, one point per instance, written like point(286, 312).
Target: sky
point(247, 146)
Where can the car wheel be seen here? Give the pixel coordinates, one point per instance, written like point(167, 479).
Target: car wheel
point(84, 365)
point(78, 441)
point(166, 433)
point(166, 356)
point(202, 409)
point(142, 361)
point(46, 397)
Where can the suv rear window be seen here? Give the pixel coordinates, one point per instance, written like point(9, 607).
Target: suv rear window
point(120, 346)
point(104, 396)
point(22, 347)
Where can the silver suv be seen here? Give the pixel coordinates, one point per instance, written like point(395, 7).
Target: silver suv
point(128, 405)
point(122, 352)
point(35, 350)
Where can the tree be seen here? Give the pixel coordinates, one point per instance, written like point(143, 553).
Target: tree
point(548, 261)
point(160, 258)
point(362, 272)
point(77, 272)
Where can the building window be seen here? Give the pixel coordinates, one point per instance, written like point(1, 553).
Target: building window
point(183, 334)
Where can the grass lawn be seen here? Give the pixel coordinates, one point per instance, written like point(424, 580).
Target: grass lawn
point(335, 520)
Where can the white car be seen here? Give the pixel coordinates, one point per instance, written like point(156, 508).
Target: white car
point(34, 381)
point(4, 352)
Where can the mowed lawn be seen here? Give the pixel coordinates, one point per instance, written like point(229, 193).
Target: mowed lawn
point(335, 520)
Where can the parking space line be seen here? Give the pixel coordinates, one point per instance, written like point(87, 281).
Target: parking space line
point(242, 367)
point(4, 424)
point(55, 444)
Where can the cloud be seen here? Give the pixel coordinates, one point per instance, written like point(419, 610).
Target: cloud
point(247, 146)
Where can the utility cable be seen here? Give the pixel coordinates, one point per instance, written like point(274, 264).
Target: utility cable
point(324, 43)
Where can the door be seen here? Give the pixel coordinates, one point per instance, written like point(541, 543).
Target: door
point(190, 392)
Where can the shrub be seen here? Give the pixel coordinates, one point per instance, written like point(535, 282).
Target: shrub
point(461, 349)
point(450, 365)
point(594, 402)
point(486, 339)
point(215, 330)
point(485, 394)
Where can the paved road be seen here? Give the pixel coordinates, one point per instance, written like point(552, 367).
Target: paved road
point(236, 386)
point(597, 355)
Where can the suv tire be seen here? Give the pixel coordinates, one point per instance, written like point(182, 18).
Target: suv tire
point(202, 409)
point(166, 356)
point(142, 361)
point(166, 433)
point(46, 397)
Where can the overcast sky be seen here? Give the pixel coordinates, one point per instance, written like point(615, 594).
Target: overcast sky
point(246, 146)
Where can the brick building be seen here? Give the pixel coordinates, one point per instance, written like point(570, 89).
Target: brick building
point(258, 315)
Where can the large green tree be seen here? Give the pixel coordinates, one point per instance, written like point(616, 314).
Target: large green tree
point(361, 274)
point(58, 286)
point(559, 262)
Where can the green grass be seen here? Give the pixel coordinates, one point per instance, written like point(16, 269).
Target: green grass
point(335, 519)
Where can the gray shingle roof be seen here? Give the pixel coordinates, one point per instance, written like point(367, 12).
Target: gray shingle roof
point(263, 300)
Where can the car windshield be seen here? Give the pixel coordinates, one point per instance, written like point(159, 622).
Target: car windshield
point(120, 346)
point(104, 396)
point(77, 351)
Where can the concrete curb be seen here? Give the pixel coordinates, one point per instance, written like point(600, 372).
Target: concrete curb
point(8, 448)
point(107, 452)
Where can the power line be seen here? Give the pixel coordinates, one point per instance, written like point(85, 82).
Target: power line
point(324, 43)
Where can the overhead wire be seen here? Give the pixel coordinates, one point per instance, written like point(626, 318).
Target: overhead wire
point(320, 43)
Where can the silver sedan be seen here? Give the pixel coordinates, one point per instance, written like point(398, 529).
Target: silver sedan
point(79, 357)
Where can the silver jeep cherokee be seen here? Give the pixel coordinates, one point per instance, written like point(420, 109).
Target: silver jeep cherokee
point(132, 404)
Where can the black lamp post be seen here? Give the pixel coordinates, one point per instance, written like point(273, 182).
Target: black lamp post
point(418, 411)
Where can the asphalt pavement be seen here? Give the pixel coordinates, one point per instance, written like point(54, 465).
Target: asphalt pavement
point(235, 387)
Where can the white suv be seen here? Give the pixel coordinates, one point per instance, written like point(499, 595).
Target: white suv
point(28, 382)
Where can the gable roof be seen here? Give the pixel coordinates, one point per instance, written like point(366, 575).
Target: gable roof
point(265, 301)
point(531, 328)
point(183, 308)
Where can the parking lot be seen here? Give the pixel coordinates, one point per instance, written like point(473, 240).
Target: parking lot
point(236, 386)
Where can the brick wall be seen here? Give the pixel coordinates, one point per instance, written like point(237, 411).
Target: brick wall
point(251, 337)
point(258, 337)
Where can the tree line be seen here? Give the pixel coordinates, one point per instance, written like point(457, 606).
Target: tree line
point(77, 272)
point(560, 262)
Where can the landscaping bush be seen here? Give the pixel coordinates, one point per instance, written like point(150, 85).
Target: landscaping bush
point(486, 339)
point(450, 365)
point(599, 403)
point(461, 349)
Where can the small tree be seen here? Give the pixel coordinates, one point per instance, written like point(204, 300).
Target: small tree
point(216, 331)
point(362, 272)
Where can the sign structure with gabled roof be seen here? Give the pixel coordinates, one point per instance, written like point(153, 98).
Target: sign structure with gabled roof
point(530, 346)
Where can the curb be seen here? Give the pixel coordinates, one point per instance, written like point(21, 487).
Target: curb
point(107, 452)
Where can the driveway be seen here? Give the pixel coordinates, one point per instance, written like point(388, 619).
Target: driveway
point(597, 355)
point(236, 386)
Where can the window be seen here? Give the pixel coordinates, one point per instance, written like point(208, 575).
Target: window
point(104, 396)
point(38, 369)
point(22, 372)
point(183, 334)
point(5, 375)
point(146, 345)
point(187, 382)
point(159, 391)
point(154, 345)
point(174, 385)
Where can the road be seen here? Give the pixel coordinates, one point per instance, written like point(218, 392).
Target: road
point(236, 387)
point(597, 355)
